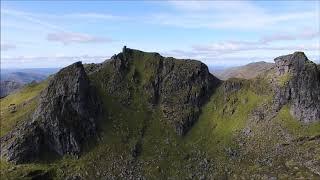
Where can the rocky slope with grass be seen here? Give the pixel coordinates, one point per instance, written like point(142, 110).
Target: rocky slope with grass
point(178, 87)
point(299, 86)
point(62, 123)
point(139, 115)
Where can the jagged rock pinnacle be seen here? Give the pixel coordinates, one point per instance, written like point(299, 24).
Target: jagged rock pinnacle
point(63, 122)
point(302, 86)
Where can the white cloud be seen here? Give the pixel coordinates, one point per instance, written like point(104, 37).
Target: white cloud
point(219, 52)
point(93, 15)
point(229, 47)
point(265, 43)
point(304, 34)
point(71, 37)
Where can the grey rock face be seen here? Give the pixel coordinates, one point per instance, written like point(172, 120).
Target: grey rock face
point(302, 89)
point(232, 85)
point(178, 87)
point(63, 122)
point(182, 88)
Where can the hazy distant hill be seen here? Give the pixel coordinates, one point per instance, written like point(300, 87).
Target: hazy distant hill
point(248, 71)
point(26, 75)
point(7, 87)
point(14, 79)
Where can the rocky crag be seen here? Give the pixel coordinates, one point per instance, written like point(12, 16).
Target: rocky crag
point(62, 124)
point(298, 84)
point(178, 87)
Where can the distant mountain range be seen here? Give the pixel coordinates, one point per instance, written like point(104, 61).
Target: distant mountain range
point(248, 71)
point(14, 79)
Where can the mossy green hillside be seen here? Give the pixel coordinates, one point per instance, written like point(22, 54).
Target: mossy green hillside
point(16, 107)
point(296, 128)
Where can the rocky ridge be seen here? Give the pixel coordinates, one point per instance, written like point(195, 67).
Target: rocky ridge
point(238, 127)
point(178, 87)
point(298, 85)
point(64, 121)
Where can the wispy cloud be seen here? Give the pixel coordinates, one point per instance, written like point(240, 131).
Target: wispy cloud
point(223, 52)
point(214, 26)
point(228, 14)
point(96, 16)
point(60, 34)
point(70, 37)
point(230, 47)
point(304, 34)
point(265, 43)
point(48, 61)
point(32, 18)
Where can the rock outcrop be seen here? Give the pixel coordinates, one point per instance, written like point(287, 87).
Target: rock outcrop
point(178, 87)
point(63, 123)
point(299, 85)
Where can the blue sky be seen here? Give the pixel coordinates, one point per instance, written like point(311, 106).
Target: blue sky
point(55, 34)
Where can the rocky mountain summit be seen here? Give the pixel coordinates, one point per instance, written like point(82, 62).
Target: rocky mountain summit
point(178, 87)
point(63, 122)
point(298, 85)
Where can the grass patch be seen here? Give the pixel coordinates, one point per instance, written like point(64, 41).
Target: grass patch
point(221, 118)
point(296, 127)
point(284, 79)
point(24, 102)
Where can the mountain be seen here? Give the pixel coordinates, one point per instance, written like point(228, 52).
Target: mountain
point(7, 87)
point(248, 71)
point(5, 73)
point(14, 79)
point(23, 77)
point(140, 115)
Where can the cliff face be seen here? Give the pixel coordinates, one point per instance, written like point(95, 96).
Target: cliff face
point(63, 122)
point(299, 86)
point(178, 87)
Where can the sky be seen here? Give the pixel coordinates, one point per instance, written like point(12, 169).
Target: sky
point(38, 34)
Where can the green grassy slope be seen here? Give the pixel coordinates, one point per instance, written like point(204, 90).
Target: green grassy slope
point(16, 107)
